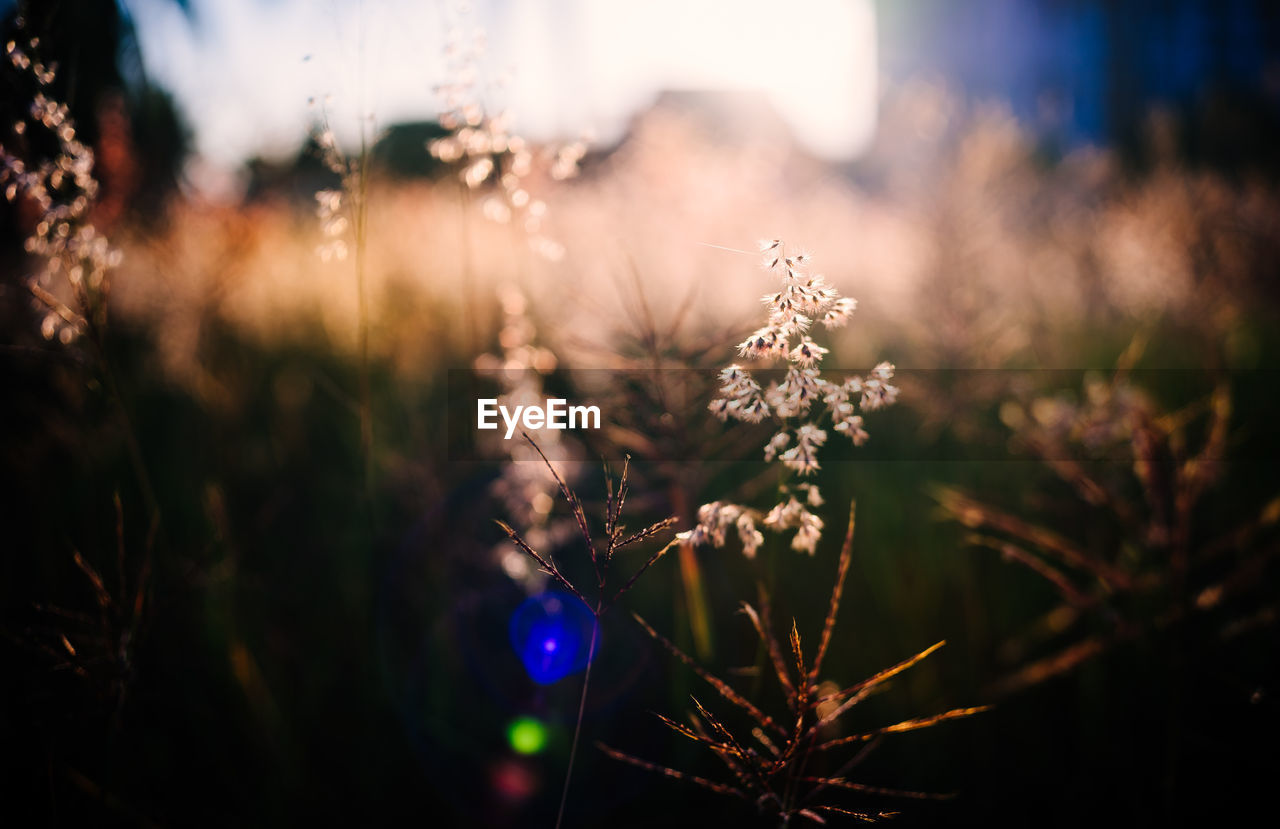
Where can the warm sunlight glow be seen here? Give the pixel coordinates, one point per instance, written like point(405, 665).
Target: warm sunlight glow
point(574, 67)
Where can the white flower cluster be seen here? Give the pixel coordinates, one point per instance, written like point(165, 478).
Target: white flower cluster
point(792, 311)
point(338, 210)
point(740, 397)
point(486, 149)
point(793, 514)
point(715, 520)
point(524, 488)
point(332, 224)
point(64, 189)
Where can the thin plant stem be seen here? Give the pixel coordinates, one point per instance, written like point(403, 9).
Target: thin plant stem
point(366, 393)
point(362, 292)
point(582, 707)
point(615, 539)
point(97, 339)
point(469, 297)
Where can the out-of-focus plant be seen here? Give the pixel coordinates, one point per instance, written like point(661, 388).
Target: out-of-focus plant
point(47, 170)
point(523, 488)
point(44, 164)
point(482, 145)
point(1163, 564)
point(343, 214)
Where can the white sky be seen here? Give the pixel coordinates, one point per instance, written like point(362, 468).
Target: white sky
point(244, 73)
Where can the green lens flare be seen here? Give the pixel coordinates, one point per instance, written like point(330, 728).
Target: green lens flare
point(527, 735)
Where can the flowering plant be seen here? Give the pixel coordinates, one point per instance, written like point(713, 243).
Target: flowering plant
point(792, 310)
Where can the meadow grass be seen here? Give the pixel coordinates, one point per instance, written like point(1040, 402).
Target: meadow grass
point(332, 669)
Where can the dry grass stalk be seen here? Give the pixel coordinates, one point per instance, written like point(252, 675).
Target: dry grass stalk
point(1173, 575)
point(604, 594)
point(47, 168)
point(98, 646)
point(770, 770)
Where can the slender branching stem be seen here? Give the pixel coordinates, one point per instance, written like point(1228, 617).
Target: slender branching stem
point(615, 539)
point(582, 707)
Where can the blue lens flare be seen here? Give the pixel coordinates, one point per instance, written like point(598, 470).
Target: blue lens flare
point(551, 633)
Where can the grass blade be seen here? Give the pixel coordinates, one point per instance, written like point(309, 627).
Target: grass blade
point(719, 788)
point(837, 590)
point(715, 682)
point(905, 725)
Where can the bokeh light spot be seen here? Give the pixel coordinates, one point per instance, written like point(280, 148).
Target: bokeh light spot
point(527, 735)
point(551, 633)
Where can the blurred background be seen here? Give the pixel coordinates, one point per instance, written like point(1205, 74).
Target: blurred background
point(250, 569)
